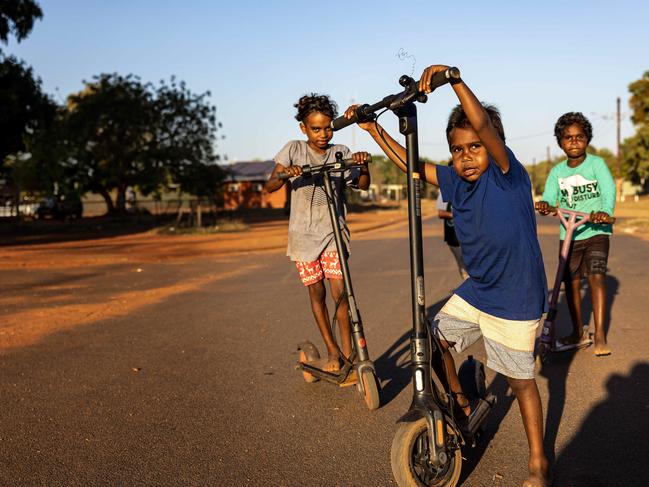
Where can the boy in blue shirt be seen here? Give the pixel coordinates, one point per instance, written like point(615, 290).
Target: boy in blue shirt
point(583, 183)
point(505, 295)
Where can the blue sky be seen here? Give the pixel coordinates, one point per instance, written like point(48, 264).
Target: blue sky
point(534, 60)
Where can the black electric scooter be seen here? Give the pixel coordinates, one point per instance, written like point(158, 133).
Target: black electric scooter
point(426, 449)
point(359, 362)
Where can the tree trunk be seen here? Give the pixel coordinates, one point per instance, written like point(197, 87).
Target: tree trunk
point(17, 203)
point(110, 208)
point(199, 215)
point(179, 216)
point(120, 203)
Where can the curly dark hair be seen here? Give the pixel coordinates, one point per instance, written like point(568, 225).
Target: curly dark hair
point(572, 118)
point(458, 119)
point(315, 103)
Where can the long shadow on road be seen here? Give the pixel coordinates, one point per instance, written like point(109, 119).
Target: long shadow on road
point(54, 231)
point(610, 447)
point(557, 368)
point(393, 366)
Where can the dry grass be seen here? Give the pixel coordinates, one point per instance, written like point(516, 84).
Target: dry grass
point(633, 216)
point(222, 226)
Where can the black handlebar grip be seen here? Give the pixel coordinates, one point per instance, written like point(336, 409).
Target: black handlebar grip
point(283, 175)
point(361, 114)
point(449, 76)
point(342, 122)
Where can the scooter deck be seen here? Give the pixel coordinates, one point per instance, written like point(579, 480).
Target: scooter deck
point(318, 363)
point(350, 379)
point(571, 346)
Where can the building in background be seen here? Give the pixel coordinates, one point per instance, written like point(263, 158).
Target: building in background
point(243, 187)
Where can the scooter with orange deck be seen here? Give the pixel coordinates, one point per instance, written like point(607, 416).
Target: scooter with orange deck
point(359, 363)
point(546, 342)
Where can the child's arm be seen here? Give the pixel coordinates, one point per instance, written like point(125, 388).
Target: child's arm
point(274, 183)
point(395, 151)
point(442, 208)
point(550, 194)
point(363, 181)
point(607, 188)
point(476, 114)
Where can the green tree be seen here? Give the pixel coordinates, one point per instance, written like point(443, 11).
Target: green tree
point(121, 132)
point(384, 171)
point(187, 130)
point(635, 150)
point(49, 165)
point(17, 17)
point(24, 108)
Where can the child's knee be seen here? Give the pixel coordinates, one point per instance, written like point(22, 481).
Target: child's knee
point(521, 385)
point(317, 291)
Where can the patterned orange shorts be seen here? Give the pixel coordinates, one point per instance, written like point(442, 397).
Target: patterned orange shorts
point(327, 266)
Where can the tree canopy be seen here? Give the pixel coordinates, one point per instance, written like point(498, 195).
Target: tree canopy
point(17, 17)
point(636, 148)
point(120, 132)
point(24, 108)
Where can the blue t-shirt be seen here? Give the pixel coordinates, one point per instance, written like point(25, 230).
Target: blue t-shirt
point(496, 227)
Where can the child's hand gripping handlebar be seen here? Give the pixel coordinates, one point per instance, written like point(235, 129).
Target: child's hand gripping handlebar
point(367, 113)
point(358, 160)
point(598, 217)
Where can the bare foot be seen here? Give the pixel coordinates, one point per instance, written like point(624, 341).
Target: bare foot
point(601, 349)
point(350, 380)
point(332, 364)
point(538, 474)
point(535, 481)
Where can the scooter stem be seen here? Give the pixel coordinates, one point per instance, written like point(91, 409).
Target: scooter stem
point(358, 336)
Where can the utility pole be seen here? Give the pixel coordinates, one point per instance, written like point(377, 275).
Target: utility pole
point(353, 132)
point(619, 155)
point(533, 177)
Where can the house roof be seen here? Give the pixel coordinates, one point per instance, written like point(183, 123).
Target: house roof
point(249, 171)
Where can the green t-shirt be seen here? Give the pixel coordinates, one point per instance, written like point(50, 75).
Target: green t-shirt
point(586, 188)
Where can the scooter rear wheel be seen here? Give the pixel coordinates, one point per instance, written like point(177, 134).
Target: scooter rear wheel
point(371, 388)
point(409, 459)
point(306, 358)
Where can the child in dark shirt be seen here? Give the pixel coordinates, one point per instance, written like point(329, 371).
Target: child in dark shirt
point(505, 295)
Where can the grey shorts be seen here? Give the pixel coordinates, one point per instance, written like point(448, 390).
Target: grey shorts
point(587, 257)
point(509, 344)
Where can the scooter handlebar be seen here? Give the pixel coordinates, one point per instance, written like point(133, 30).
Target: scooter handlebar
point(367, 113)
point(451, 75)
point(554, 210)
point(361, 114)
point(339, 165)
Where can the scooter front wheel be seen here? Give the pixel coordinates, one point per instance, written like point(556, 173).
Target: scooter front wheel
point(370, 389)
point(409, 457)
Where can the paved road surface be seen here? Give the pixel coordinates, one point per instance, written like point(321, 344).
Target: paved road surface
point(200, 389)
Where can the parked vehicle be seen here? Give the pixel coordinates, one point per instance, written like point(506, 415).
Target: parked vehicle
point(60, 207)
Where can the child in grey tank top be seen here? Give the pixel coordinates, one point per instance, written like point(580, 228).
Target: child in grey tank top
point(311, 242)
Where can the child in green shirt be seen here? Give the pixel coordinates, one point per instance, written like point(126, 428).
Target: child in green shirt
point(583, 183)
